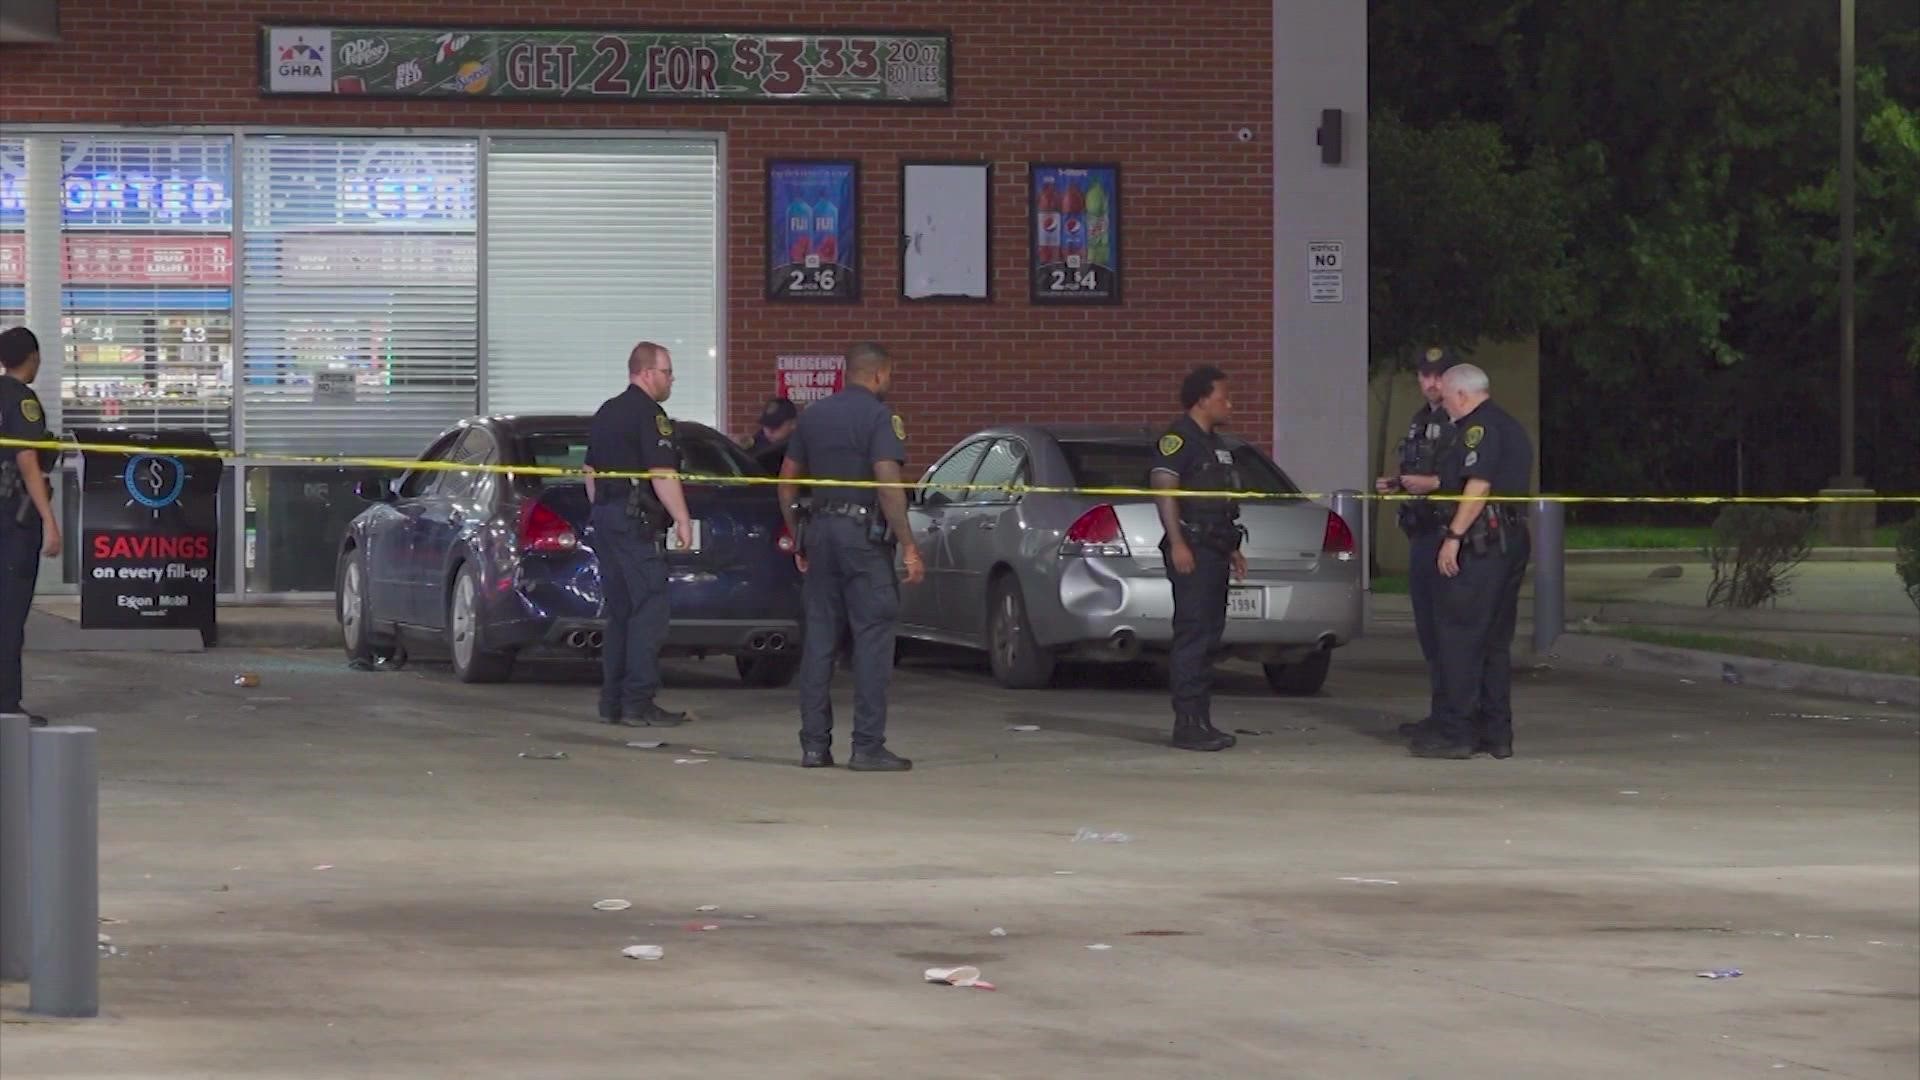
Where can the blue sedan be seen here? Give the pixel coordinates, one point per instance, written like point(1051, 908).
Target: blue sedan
point(491, 567)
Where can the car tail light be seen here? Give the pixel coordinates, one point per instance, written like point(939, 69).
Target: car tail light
point(1097, 532)
point(542, 529)
point(1338, 539)
point(785, 540)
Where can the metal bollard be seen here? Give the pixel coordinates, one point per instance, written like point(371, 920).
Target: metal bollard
point(65, 868)
point(1346, 503)
point(16, 924)
point(1549, 573)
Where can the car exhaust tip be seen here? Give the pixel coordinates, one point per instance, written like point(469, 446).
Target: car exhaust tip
point(758, 643)
point(594, 638)
point(1124, 643)
point(1327, 642)
point(576, 639)
point(776, 642)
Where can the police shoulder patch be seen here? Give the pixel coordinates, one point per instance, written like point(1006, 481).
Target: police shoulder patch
point(664, 425)
point(1474, 435)
point(31, 410)
point(899, 427)
point(1170, 445)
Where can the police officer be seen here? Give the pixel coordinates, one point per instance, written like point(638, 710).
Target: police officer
point(1421, 520)
point(847, 540)
point(632, 434)
point(28, 530)
point(1201, 549)
point(777, 421)
point(1483, 556)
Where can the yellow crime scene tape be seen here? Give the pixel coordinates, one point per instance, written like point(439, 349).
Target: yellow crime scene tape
point(566, 472)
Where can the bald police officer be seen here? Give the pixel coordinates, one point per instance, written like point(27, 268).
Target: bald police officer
point(632, 434)
point(1419, 474)
point(847, 540)
point(1483, 557)
point(1201, 549)
point(28, 530)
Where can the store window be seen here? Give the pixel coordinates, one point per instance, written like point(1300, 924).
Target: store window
point(146, 283)
point(13, 232)
point(594, 244)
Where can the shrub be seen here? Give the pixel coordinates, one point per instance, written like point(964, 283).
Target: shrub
point(1906, 558)
point(1754, 550)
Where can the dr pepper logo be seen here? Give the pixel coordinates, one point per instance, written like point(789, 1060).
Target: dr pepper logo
point(363, 53)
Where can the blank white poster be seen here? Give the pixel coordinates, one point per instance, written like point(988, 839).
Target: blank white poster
point(945, 218)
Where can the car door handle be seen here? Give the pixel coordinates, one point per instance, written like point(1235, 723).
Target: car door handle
point(989, 523)
point(933, 526)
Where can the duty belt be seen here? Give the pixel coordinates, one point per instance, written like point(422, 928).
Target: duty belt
point(843, 508)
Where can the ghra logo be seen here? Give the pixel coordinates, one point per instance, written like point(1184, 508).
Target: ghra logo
point(155, 482)
point(300, 50)
point(365, 52)
point(302, 60)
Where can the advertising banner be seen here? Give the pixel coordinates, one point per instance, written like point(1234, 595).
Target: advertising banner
point(149, 532)
point(1075, 216)
point(813, 230)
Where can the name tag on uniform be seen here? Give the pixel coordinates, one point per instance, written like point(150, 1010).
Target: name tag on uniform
point(1225, 457)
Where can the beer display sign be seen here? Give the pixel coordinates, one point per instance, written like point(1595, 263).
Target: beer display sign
point(889, 68)
point(1075, 216)
point(813, 230)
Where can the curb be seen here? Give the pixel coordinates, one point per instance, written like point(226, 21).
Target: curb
point(51, 632)
point(1693, 557)
point(1620, 654)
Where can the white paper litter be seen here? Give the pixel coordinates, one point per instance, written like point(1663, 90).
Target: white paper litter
point(612, 905)
point(958, 976)
point(690, 760)
point(654, 745)
point(708, 907)
point(1099, 948)
point(643, 952)
point(1370, 880)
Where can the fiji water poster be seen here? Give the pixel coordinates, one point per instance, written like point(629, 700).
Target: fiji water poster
point(813, 229)
point(1075, 215)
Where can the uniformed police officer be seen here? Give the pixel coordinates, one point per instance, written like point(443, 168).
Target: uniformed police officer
point(632, 434)
point(847, 540)
point(1483, 556)
point(1201, 549)
point(28, 530)
point(1422, 521)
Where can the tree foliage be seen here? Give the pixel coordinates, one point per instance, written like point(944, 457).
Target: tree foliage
point(1693, 151)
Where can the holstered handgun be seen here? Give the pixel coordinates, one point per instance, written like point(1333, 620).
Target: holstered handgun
point(645, 510)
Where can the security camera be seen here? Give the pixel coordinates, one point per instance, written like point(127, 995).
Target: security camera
point(1245, 134)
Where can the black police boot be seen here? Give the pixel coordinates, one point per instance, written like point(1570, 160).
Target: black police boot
point(1500, 749)
point(1432, 745)
point(878, 760)
point(652, 716)
point(1207, 722)
point(817, 759)
point(1193, 733)
point(1413, 729)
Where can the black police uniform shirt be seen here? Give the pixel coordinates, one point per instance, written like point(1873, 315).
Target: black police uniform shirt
point(1489, 445)
point(1202, 462)
point(841, 436)
point(1432, 425)
point(21, 417)
point(629, 433)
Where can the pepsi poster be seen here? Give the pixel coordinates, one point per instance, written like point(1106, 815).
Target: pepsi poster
point(1075, 216)
point(149, 531)
point(813, 230)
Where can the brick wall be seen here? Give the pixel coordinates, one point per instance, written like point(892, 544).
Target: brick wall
point(1124, 80)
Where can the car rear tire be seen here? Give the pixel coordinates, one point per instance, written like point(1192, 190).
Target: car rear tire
point(767, 672)
point(365, 648)
point(1018, 661)
point(473, 662)
point(1300, 677)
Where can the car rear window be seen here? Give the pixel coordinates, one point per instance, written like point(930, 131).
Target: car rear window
point(1126, 464)
point(699, 454)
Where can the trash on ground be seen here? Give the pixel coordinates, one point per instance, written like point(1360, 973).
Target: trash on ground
point(324, 866)
point(1722, 973)
point(1161, 933)
point(1023, 727)
point(708, 907)
point(643, 952)
point(749, 916)
point(697, 750)
point(1689, 682)
point(1629, 793)
point(959, 976)
point(1091, 836)
point(689, 761)
point(1729, 675)
point(653, 745)
point(998, 931)
point(108, 920)
point(700, 928)
point(1370, 880)
point(535, 755)
point(1252, 731)
point(246, 679)
point(612, 905)
point(1063, 873)
point(104, 939)
point(1099, 948)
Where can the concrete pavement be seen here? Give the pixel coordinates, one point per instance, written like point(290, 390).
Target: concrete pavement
point(1338, 908)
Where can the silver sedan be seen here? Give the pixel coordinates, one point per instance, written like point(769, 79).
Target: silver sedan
point(1034, 578)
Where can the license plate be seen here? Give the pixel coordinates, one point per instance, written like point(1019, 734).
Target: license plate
point(673, 538)
point(1248, 603)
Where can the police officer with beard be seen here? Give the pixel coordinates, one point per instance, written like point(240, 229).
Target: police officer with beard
point(1423, 521)
point(847, 540)
point(1201, 548)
